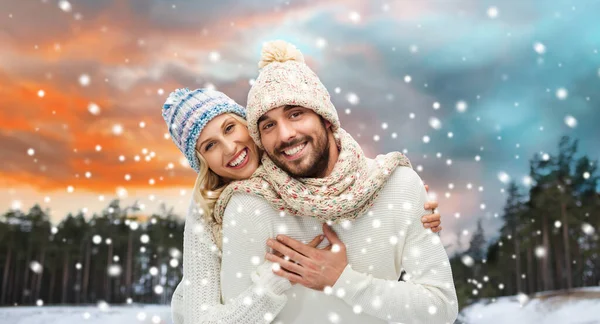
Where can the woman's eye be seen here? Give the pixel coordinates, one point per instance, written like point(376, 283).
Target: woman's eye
point(230, 127)
point(208, 146)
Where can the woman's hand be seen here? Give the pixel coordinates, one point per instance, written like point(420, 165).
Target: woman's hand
point(432, 221)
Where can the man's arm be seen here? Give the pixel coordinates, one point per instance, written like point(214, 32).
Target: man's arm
point(428, 295)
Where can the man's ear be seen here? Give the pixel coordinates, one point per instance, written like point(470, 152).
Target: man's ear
point(327, 124)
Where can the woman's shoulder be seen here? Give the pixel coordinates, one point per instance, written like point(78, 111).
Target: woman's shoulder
point(250, 205)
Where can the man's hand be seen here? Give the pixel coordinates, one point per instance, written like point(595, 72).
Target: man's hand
point(432, 221)
point(311, 267)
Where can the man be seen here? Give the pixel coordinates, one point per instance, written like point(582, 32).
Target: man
point(319, 174)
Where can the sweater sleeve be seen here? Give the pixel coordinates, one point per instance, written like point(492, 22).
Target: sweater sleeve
point(428, 294)
point(197, 299)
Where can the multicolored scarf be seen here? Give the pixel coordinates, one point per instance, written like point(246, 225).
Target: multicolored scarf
point(345, 194)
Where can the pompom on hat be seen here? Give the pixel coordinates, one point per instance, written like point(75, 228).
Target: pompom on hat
point(187, 113)
point(285, 79)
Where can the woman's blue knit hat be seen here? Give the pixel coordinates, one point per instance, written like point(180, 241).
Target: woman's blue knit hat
point(187, 112)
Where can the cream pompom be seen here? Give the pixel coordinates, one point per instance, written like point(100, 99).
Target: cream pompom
point(279, 51)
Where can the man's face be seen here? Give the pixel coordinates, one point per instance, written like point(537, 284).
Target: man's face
point(295, 138)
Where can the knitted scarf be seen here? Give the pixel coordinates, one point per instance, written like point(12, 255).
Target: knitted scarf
point(348, 192)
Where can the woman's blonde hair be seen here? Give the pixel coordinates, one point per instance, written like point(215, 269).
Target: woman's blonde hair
point(209, 185)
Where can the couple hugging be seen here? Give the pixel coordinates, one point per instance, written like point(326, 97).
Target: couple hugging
point(290, 222)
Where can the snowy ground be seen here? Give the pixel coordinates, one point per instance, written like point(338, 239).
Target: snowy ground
point(579, 307)
point(132, 314)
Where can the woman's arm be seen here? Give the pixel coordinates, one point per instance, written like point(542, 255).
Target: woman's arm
point(197, 298)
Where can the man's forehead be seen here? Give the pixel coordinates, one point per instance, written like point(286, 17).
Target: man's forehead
point(275, 111)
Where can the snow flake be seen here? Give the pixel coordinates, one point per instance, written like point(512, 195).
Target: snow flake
point(570, 121)
point(467, 260)
point(587, 229)
point(376, 303)
point(84, 80)
point(562, 93)
point(492, 12)
point(103, 306)
point(174, 263)
point(214, 57)
point(503, 177)
point(357, 309)
point(321, 43)
point(36, 267)
point(65, 5)
point(334, 317)
point(158, 289)
point(461, 106)
point(255, 260)
point(539, 48)
point(354, 17)
point(435, 123)
point(376, 223)
point(117, 129)
point(540, 252)
point(352, 98)
point(522, 298)
point(114, 270)
point(335, 248)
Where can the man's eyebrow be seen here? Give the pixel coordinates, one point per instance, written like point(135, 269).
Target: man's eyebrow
point(262, 118)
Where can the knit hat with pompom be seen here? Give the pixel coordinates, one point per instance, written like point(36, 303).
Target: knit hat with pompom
point(285, 79)
point(186, 113)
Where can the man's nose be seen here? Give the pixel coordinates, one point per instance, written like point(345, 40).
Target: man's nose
point(286, 131)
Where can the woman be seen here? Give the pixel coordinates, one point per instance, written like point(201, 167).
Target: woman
point(210, 130)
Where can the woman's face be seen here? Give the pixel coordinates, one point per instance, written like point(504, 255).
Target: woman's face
point(228, 149)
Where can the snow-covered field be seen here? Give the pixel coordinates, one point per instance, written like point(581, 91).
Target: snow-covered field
point(132, 314)
point(579, 307)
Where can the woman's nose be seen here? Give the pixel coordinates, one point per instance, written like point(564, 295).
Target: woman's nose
point(230, 147)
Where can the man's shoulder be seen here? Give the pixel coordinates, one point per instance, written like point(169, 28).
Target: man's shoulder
point(404, 178)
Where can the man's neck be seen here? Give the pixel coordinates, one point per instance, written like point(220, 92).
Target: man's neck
point(334, 153)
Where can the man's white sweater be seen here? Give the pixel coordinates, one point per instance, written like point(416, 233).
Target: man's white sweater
point(388, 239)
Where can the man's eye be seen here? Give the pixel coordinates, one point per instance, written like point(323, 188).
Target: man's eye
point(296, 114)
point(267, 125)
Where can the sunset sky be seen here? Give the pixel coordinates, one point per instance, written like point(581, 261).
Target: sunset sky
point(470, 89)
